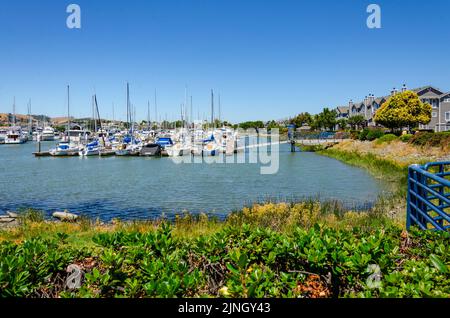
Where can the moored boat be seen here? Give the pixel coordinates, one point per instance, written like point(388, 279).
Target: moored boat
point(48, 134)
point(150, 150)
point(14, 135)
point(64, 149)
point(91, 149)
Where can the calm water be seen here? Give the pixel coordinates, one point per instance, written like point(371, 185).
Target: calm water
point(143, 188)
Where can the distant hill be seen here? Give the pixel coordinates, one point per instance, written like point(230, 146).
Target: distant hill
point(6, 118)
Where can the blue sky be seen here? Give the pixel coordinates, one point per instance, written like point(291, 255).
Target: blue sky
point(267, 59)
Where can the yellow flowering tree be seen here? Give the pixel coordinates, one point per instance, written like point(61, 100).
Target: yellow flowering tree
point(403, 110)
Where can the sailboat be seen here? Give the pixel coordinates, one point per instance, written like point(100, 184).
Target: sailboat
point(94, 148)
point(210, 145)
point(66, 148)
point(91, 149)
point(128, 146)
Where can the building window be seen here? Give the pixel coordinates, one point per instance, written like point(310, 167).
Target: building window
point(447, 116)
point(447, 100)
point(434, 114)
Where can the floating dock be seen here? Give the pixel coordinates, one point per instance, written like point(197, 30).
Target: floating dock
point(42, 154)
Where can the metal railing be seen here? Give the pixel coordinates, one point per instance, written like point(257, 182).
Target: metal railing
point(428, 199)
point(324, 135)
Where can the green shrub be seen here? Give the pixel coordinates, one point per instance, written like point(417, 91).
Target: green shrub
point(310, 148)
point(431, 139)
point(237, 261)
point(406, 137)
point(363, 134)
point(387, 138)
point(31, 215)
point(374, 134)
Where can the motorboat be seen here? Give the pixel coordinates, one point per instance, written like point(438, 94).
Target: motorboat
point(48, 134)
point(164, 142)
point(128, 150)
point(14, 135)
point(150, 150)
point(3, 133)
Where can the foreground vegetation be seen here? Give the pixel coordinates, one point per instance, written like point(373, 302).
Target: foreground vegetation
point(249, 255)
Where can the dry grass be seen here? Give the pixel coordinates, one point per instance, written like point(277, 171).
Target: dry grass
point(397, 151)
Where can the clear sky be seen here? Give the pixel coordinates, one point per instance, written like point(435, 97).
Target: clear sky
point(267, 59)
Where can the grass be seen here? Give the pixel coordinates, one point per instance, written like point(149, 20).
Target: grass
point(310, 148)
point(281, 217)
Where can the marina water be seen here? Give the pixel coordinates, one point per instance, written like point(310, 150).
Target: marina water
point(137, 188)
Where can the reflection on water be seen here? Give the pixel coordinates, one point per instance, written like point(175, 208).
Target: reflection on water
point(143, 188)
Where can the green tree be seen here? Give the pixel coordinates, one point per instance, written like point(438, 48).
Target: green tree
point(342, 123)
point(251, 124)
point(404, 109)
point(356, 121)
point(316, 122)
point(328, 118)
point(302, 119)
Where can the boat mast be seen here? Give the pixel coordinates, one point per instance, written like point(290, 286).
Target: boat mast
point(220, 113)
point(148, 116)
point(192, 118)
point(212, 109)
point(94, 101)
point(14, 111)
point(68, 113)
point(29, 117)
point(128, 108)
point(156, 112)
point(99, 118)
point(185, 107)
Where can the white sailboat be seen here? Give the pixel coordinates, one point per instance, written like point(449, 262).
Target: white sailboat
point(91, 149)
point(66, 148)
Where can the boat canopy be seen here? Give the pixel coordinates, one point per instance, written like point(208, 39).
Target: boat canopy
point(164, 141)
point(126, 139)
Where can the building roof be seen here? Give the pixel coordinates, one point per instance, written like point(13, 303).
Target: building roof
point(342, 109)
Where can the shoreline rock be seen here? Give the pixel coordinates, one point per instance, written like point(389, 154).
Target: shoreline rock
point(65, 216)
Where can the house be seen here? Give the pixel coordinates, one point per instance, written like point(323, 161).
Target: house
point(341, 112)
point(439, 101)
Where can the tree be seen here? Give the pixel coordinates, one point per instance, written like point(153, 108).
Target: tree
point(251, 124)
point(328, 118)
point(302, 119)
point(356, 121)
point(316, 122)
point(404, 109)
point(342, 123)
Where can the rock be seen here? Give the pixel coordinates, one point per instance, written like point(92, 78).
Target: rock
point(65, 216)
point(12, 214)
point(6, 219)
